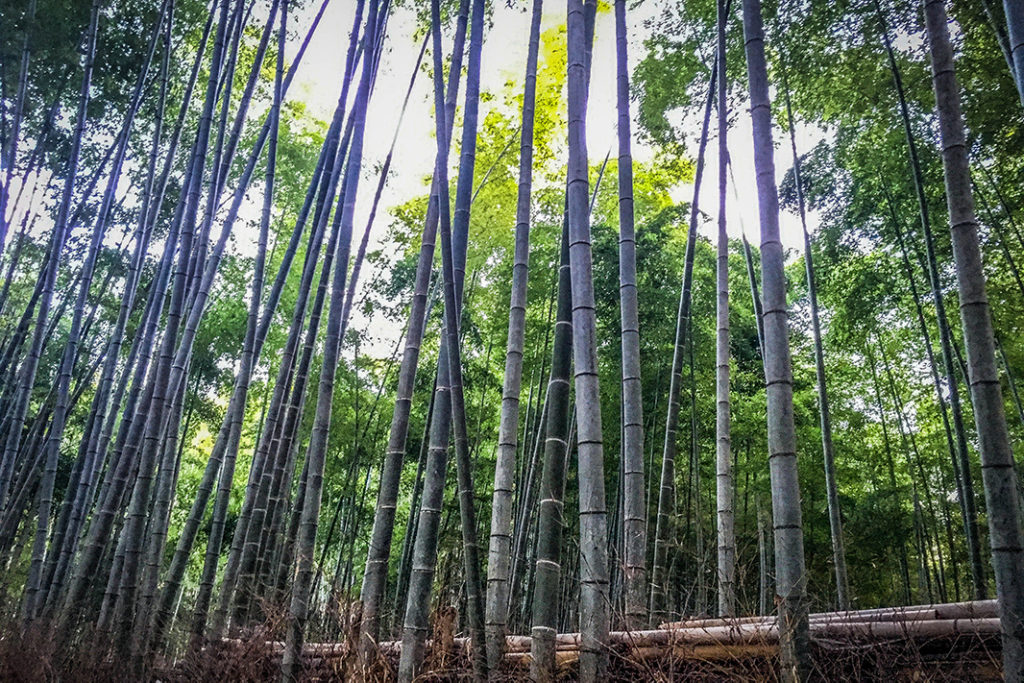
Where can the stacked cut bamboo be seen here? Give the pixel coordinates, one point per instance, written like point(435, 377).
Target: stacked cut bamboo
point(758, 636)
point(739, 638)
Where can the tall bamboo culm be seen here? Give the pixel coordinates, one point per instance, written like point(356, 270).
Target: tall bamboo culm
point(316, 453)
point(790, 569)
point(449, 398)
point(634, 508)
point(500, 548)
point(723, 442)
point(997, 465)
point(1015, 28)
point(594, 603)
point(551, 503)
point(824, 413)
point(959, 454)
point(379, 553)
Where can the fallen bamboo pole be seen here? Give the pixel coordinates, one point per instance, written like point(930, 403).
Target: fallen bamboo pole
point(725, 638)
point(728, 635)
point(952, 610)
point(702, 652)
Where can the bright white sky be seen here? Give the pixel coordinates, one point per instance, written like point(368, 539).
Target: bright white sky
point(504, 58)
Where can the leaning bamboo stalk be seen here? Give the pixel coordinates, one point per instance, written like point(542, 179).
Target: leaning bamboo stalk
point(379, 553)
point(357, 265)
point(450, 401)
point(11, 144)
point(109, 500)
point(250, 354)
point(147, 429)
point(321, 189)
point(76, 505)
point(61, 409)
point(60, 414)
point(961, 461)
point(316, 455)
point(725, 514)
point(227, 448)
point(1015, 28)
point(27, 375)
point(550, 519)
point(456, 234)
point(272, 454)
point(824, 414)
point(100, 439)
point(997, 465)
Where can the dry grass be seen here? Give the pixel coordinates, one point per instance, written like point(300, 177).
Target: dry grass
point(30, 655)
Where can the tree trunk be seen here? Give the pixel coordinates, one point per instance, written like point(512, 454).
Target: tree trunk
point(904, 564)
point(907, 435)
point(322, 187)
point(316, 453)
point(402, 587)
point(73, 510)
point(790, 570)
point(998, 472)
point(634, 507)
point(966, 490)
point(449, 410)
point(317, 189)
point(500, 548)
point(27, 373)
point(379, 553)
point(930, 355)
point(594, 608)
point(723, 446)
point(550, 517)
point(1015, 27)
point(694, 490)
point(764, 582)
point(36, 592)
point(147, 428)
point(10, 154)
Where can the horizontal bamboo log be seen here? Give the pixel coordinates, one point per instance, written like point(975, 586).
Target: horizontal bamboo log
point(910, 629)
point(731, 635)
point(703, 652)
point(737, 634)
point(562, 658)
point(710, 652)
point(953, 610)
point(731, 638)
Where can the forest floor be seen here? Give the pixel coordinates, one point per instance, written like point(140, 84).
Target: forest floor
point(954, 642)
point(965, 659)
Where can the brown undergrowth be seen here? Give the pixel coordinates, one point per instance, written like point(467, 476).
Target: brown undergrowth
point(30, 655)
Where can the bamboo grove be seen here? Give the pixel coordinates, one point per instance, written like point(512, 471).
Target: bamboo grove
point(234, 370)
